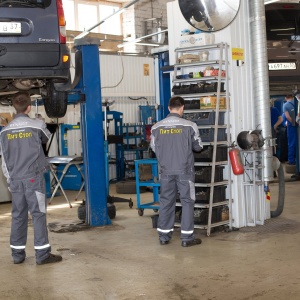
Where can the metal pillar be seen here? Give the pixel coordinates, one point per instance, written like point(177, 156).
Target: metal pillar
point(164, 83)
point(92, 133)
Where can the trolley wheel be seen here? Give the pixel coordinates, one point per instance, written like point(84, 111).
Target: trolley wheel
point(140, 212)
point(130, 203)
point(227, 229)
point(155, 210)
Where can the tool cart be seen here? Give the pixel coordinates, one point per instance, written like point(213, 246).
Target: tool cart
point(152, 183)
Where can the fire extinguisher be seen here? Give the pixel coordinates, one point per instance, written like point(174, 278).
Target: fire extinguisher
point(236, 160)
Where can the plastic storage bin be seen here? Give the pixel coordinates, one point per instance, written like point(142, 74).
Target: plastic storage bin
point(203, 194)
point(205, 118)
point(206, 155)
point(207, 134)
point(201, 215)
point(213, 87)
point(203, 174)
point(191, 104)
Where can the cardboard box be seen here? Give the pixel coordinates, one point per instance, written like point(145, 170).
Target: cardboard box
point(210, 102)
point(214, 73)
point(5, 118)
point(199, 39)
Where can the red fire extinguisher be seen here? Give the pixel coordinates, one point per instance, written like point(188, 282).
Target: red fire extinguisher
point(236, 161)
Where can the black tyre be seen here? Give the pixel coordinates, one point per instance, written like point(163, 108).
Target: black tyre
point(55, 102)
point(111, 210)
point(290, 169)
point(128, 187)
point(140, 212)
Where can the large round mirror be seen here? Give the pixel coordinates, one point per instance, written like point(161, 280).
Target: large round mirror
point(209, 15)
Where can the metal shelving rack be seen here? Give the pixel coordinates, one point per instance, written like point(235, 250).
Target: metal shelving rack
point(133, 134)
point(222, 61)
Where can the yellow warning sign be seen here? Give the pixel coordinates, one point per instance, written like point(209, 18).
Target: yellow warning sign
point(237, 54)
point(146, 70)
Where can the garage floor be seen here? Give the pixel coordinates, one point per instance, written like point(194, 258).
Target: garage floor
point(125, 260)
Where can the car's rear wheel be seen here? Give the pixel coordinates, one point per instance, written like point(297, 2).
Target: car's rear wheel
point(55, 102)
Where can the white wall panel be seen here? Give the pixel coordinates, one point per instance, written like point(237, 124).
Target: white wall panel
point(237, 35)
point(131, 71)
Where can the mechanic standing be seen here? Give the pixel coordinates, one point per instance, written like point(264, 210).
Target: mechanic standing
point(24, 165)
point(173, 140)
point(289, 111)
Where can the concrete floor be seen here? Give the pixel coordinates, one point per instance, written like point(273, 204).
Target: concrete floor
point(125, 260)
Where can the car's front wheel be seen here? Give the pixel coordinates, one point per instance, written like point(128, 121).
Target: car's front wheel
point(55, 102)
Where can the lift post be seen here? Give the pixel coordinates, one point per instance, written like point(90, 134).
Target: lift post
point(92, 133)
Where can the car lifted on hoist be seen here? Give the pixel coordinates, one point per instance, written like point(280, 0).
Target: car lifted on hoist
point(34, 56)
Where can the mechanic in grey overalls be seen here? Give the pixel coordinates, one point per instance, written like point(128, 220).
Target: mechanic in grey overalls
point(173, 140)
point(24, 165)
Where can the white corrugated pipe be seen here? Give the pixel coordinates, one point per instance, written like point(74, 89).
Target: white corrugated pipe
point(261, 80)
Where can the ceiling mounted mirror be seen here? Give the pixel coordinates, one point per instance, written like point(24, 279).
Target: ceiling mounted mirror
point(209, 15)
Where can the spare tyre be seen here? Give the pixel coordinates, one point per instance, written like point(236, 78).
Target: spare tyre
point(111, 211)
point(55, 102)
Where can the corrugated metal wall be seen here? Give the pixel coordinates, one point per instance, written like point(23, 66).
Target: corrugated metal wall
point(131, 70)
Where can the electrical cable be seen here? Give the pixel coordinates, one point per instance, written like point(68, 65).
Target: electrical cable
point(122, 77)
point(137, 98)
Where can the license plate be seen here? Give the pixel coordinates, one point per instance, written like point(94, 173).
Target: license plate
point(282, 66)
point(10, 27)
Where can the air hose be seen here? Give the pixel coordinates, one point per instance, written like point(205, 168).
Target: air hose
point(281, 193)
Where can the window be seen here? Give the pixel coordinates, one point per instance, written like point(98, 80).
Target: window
point(113, 24)
point(69, 10)
point(87, 17)
point(82, 16)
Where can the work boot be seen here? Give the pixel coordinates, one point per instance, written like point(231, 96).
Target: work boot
point(191, 243)
point(50, 259)
point(17, 262)
point(164, 242)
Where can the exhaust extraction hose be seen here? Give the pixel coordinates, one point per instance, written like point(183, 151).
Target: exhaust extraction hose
point(261, 80)
point(281, 193)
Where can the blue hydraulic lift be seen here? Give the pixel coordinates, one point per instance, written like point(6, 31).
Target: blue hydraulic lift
point(87, 91)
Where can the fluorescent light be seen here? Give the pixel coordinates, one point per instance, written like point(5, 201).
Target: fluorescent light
point(283, 29)
point(136, 41)
point(148, 44)
point(271, 1)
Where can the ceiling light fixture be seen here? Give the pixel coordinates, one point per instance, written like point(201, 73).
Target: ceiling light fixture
point(148, 44)
point(283, 29)
point(136, 41)
point(271, 1)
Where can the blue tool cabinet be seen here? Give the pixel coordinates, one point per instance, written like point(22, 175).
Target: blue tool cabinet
point(153, 183)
